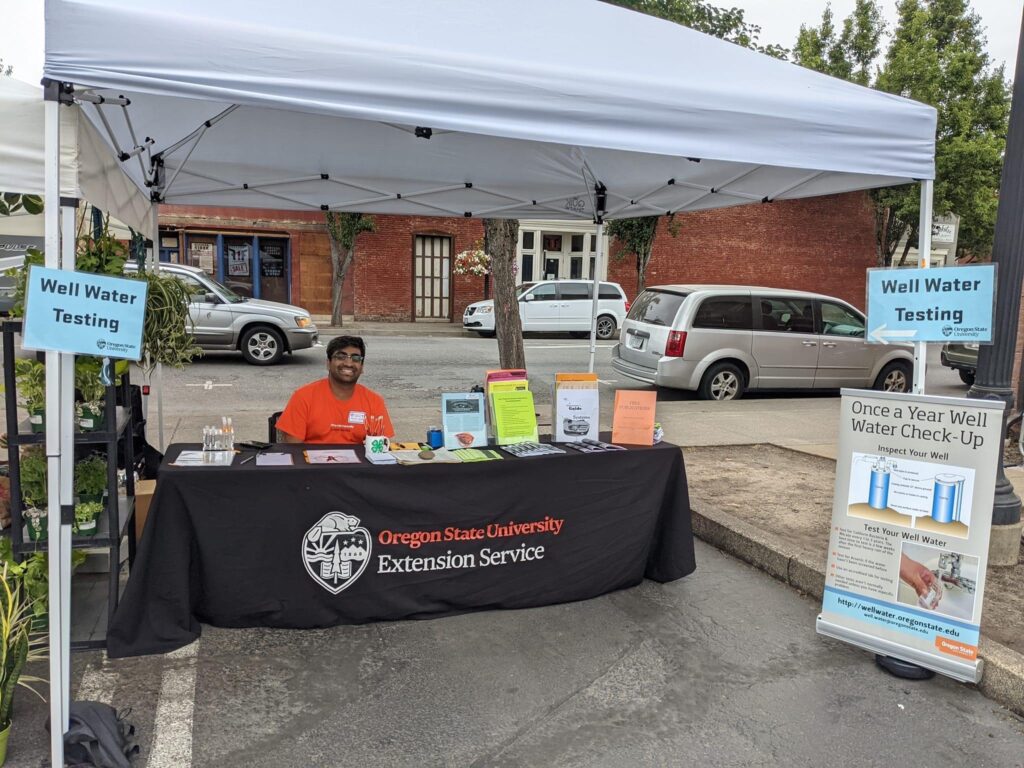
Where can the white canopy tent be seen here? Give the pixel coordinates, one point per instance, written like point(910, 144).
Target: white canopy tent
point(464, 108)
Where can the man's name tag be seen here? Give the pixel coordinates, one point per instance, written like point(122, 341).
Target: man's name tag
point(356, 417)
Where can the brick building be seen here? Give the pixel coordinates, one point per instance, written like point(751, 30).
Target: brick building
point(403, 270)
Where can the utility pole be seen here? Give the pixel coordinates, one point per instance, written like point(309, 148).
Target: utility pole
point(995, 361)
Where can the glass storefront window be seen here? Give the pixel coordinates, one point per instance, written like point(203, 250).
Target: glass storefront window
point(238, 265)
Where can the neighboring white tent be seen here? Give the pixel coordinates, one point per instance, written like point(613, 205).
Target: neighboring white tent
point(88, 170)
point(462, 108)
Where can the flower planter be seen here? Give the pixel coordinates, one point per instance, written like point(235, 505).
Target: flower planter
point(4, 734)
point(91, 418)
point(87, 528)
point(85, 498)
point(37, 528)
point(37, 419)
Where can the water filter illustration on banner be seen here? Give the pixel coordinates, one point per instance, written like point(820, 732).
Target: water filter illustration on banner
point(913, 494)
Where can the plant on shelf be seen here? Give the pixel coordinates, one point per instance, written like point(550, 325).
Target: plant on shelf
point(102, 255)
point(35, 574)
point(18, 645)
point(32, 478)
point(86, 514)
point(89, 411)
point(33, 258)
point(91, 478)
point(30, 376)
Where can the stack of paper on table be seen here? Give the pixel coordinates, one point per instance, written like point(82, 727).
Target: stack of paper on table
point(577, 407)
point(463, 420)
point(502, 380)
point(204, 459)
point(633, 419)
point(477, 454)
point(274, 460)
point(381, 458)
point(515, 419)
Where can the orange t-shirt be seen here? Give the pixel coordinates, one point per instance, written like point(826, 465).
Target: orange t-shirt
point(315, 415)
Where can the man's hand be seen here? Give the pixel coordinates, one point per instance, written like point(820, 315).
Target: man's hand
point(918, 577)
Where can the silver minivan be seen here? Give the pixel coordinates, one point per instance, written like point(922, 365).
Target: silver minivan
point(721, 340)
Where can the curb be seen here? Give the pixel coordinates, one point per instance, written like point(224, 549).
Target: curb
point(1003, 675)
point(329, 331)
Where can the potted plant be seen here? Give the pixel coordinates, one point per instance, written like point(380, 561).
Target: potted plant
point(17, 644)
point(86, 514)
point(35, 575)
point(91, 478)
point(89, 411)
point(31, 381)
point(33, 492)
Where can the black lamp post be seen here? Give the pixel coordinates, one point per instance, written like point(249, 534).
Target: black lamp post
point(995, 361)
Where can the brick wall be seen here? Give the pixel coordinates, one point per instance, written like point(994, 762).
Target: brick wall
point(822, 244)
point(384, 265)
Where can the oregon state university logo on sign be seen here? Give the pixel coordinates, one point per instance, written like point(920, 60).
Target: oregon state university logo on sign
point(335, 551)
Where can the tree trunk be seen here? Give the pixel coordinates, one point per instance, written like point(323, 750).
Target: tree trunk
point(911, 234)
point(642, 260)
point(341, 260)
point(487, 286)
point(500, 239)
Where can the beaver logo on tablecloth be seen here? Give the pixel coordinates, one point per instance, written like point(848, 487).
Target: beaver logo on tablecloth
point(336, 550)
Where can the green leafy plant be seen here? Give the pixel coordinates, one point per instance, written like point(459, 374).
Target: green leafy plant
point(167, 330)
point(87, 379)
point(30, 376)
point(91, 476)
point(103, 255)
point(85, 513)
point(33, 258)
point(35, 574)
point(32, 477)
point(17, 644)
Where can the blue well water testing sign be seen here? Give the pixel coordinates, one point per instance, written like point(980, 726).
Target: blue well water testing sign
point(84, 314)
point(944, 304)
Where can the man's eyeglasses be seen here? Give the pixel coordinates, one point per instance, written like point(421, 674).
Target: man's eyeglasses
point(356, 358)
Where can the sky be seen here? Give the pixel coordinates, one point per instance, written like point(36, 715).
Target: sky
point(21, 30)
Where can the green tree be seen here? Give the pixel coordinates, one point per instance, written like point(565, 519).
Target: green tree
point(342, 230)
point(725, 23)
point(636, 236)
point(936, 56)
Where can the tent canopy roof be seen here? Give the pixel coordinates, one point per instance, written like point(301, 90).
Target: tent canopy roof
point(526, 106)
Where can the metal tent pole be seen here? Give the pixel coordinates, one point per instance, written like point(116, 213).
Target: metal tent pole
point(599, 252)
point(51, 212)
point(924, 260)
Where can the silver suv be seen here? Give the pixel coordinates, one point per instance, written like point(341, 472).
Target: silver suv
point(720, 340)
point(222, 320)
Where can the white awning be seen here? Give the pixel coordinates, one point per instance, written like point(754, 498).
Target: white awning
point(467, 108)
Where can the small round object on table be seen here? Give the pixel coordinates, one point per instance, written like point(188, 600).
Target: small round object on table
point(426, 454)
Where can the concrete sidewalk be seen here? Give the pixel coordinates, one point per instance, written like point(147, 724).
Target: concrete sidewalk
point(734, 451)
point(374, 328)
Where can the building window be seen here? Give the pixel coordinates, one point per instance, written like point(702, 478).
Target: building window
point(527, 241)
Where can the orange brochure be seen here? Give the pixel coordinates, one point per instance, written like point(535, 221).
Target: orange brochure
point(633, 418)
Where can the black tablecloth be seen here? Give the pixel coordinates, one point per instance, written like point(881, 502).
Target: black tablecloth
point(320, 545)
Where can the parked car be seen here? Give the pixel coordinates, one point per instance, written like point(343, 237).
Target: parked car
point(261, 330)
point(721, 340)
point(963, 358)
point(557, 305)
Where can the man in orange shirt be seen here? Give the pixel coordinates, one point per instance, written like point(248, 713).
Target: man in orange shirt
point(336, 409)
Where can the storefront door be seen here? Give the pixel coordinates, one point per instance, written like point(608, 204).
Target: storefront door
point(432, 278)
point(273, 270)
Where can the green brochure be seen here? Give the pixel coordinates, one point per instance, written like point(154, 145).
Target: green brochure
point(514, 418)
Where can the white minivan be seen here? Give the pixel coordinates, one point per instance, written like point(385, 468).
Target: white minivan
point(721, 340)
point(557, 305)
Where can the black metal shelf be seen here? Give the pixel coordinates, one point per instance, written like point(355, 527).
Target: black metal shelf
point(26, 437)
point(99, 541)
point(119, 511)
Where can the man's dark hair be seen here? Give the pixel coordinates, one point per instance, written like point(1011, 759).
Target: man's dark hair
point(340, 342)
